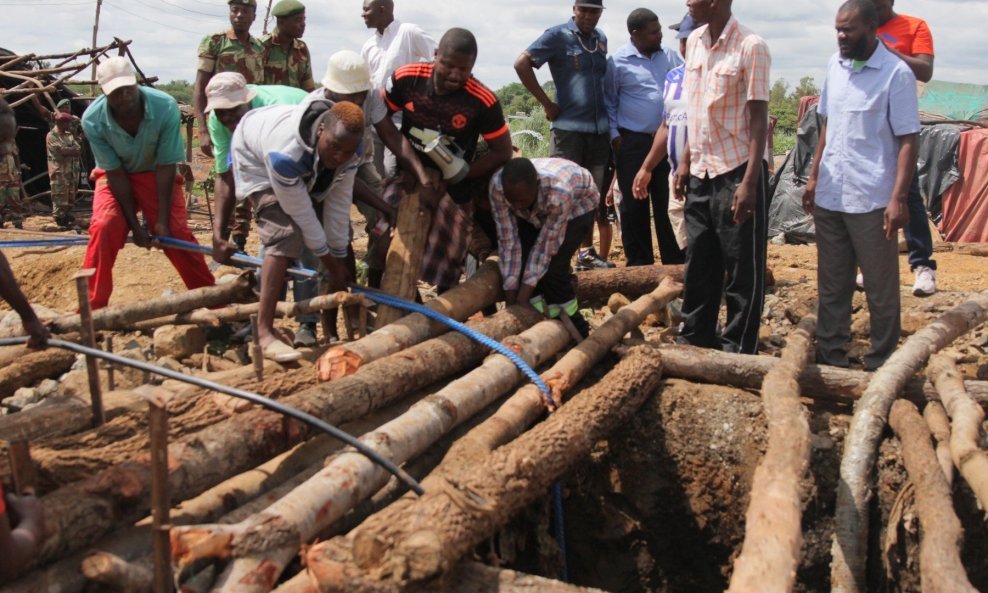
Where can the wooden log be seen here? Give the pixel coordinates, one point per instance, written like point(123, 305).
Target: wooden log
point(527, 405)
point(225, 502)
point(240, 312)
point(412, 549)
point(80, 513)
point(119, 318)
point(474, 577)
point(33, 367)
point(861, 444)
point(404, 259)
point(773, 530)
point(966, 429)
point(65, 576)
point(118, 574)
point(254, 563)
point(479, 291)
point(939, 425)
point(941, 570)
point(820, 382)
point(468, 577)
point(596, 286)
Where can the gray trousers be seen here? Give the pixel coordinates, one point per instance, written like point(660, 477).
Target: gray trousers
point(845, 241)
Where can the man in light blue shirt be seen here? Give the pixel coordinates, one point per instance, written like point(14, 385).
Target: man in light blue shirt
point(636, 74)
point(857, 189)
point(576, 52)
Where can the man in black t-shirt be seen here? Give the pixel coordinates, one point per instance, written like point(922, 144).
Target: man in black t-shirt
point(444, 98)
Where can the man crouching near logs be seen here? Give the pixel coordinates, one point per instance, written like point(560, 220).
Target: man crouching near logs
point(296, 165)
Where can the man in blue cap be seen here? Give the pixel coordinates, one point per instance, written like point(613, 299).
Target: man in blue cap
point(576, 52)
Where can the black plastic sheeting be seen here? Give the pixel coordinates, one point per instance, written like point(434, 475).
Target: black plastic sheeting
point(789, 223)
point(937, 164)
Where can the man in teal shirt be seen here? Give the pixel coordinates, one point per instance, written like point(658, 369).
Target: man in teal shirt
point(135, 136)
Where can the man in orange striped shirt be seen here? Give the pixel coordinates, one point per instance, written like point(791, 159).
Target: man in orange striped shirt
point(443, 97)
point(723, 177)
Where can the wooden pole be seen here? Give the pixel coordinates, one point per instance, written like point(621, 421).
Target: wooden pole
point(89, 340)
point(21, 468)
point(111, 380)
point(255, 349)
point(99, 6)
point(404, 261)
point(267, 16)
point(160, 506)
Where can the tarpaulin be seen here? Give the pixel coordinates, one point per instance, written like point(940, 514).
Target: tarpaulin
point(965, 204)
point(937, 163)
point(954, 100)
point(787, 220)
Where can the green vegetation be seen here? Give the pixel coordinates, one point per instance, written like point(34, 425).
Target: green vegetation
point(529, 127)
point(180, 90)
point(784, 104)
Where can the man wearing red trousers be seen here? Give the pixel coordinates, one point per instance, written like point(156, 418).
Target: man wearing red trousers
point(135, 135)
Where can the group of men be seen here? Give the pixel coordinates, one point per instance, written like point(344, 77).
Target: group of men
point(691, 127)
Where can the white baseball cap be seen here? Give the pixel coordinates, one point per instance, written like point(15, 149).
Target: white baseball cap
point(347, 73)
point(227, 90)
point(115, 73)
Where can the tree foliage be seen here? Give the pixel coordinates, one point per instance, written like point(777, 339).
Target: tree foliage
point(784, 103)
point(516, 100)
point(180, 90)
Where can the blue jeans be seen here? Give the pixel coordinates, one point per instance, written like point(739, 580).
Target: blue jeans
point(917, 231)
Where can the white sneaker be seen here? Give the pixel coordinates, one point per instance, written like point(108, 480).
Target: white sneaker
point(926, 281)
point(859, 281)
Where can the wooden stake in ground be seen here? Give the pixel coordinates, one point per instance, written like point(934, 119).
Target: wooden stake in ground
point(479, 291)
point(967, 419)
point(773, 529)
point(89, 340)
point(850, 549)
point(259, 548)
point(448, 521)
point(78, 514)
point(404, 260)
point(940, 565)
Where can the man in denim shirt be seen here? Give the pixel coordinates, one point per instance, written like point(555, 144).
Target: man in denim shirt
point(576, 52)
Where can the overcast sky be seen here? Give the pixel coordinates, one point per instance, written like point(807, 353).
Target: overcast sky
point(166, 33)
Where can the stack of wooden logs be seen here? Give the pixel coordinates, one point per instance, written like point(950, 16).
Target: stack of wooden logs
point(253, 491)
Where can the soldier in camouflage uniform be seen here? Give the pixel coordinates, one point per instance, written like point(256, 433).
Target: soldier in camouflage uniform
point(286, 57)
point(235, 50)
point(75, 127)
point(64, 165)
point(10, 168)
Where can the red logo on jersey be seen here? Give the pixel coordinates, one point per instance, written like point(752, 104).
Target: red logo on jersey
point(459, 121)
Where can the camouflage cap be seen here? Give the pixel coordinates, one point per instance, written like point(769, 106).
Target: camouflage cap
point(244, 2)
point(287, 8)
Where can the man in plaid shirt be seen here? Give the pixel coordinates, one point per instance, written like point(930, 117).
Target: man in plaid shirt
point(543, 208)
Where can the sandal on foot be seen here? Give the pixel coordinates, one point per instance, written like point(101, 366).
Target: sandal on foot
point(279, 351)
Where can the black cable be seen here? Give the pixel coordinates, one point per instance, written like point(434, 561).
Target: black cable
point(238, 393)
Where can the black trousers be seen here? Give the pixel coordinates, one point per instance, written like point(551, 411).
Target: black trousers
point(717, 246)
point(556, 286)
point(636, 233)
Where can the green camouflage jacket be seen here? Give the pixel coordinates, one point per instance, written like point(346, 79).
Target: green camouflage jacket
point(288, 68)
point(223, 52)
